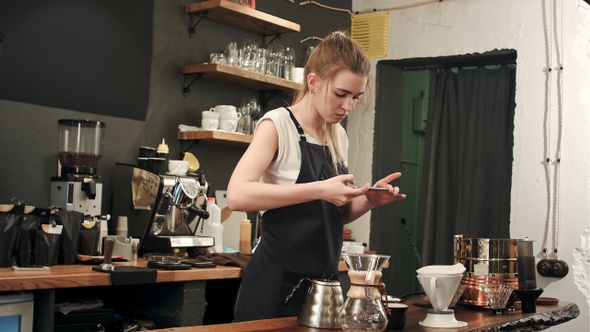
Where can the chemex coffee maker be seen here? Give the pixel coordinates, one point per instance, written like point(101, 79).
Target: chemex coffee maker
point(78, 187)
point(162, 210)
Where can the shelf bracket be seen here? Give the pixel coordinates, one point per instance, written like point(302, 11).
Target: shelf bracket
point(277, 36)
point(191, 25)
point(185, 146)
point(186, 88)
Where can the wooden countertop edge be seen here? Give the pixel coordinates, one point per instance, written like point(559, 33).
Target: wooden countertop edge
point(82, 275)
point(478, 320)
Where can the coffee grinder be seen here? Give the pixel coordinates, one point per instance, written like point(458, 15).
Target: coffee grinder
point(78, 187)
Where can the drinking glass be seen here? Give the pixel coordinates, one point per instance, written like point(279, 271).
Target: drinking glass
point(217, 58)
point(249, 54)
point(261, 58)
point(288, 63)
point(233, 54)
point(273, 64)
point(250, 106)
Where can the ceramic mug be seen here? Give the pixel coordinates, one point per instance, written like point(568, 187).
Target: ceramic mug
point(397, 318)
point(222, 109)
point(230, 116)
point(210, 115)
point(210, 124)
point(228, 125)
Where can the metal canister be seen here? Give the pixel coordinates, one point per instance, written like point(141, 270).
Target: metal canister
point(486, 261)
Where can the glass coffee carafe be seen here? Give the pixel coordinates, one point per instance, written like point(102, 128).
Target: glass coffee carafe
point(363, 309)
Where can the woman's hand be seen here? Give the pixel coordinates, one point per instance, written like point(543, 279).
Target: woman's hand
point(337, 191)
point(382, 197)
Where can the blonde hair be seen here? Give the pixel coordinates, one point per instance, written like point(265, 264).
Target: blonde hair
point(335, 53)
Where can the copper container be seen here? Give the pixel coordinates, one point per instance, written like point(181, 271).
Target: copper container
point(486, 261)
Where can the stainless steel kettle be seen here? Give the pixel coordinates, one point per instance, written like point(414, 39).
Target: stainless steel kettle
point(322, 304)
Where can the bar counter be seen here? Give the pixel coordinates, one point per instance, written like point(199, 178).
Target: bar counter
point(82, 275)
point(478, 319)
point(177, 298)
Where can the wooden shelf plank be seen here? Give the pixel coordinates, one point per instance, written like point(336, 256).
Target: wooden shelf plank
point(243, 17)
point(242, 77)
point(216, 136)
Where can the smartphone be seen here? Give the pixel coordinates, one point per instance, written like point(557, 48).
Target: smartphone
point(370, 188)
point(31, 268)
point(379, 188)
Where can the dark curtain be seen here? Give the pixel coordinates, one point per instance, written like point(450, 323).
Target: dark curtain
point(468, 159)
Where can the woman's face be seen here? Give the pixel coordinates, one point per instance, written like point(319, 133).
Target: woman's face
point(336, 98)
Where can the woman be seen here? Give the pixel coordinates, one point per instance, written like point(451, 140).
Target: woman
point(295, 172)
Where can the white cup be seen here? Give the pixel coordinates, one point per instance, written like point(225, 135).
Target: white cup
point(222, 109)
point(210, 115)
point(177, 167)
point(210, 124)
point(230, 116)
point(122, 226)
point(298, 74)
point(228, 125)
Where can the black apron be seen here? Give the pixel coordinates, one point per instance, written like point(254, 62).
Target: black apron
point(298, 241)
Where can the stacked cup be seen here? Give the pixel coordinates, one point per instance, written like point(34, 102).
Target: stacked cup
point(209, 120)
point(228, 117)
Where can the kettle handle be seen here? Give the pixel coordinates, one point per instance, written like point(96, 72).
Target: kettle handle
point(288, 297)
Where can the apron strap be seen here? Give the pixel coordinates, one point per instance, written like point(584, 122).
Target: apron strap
point(297, 125)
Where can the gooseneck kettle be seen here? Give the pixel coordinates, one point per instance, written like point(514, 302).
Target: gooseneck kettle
point(322, 304)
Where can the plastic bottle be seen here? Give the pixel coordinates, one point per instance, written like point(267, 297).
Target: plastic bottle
point(214, 227)
point(162, 152)
point(245, 235)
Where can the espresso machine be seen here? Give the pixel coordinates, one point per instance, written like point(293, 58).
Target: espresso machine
point(78, 187)
point(162, 210)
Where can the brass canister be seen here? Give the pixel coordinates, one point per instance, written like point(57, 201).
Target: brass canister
point(486, 261)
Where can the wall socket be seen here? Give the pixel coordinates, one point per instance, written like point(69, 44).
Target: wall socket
point(552, 268)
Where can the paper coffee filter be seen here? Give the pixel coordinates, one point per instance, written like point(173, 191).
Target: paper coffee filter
point(442, 269)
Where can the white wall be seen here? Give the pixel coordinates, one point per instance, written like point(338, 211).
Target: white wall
point(454, 27)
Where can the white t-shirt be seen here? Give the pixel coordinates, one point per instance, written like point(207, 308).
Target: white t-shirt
point(285, 168)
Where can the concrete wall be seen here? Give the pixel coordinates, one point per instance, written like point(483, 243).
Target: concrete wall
point(28, 132)
point(454, 27)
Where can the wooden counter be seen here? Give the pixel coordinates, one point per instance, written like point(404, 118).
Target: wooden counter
point(81, 275)
point(477, 319)
point(177, 298)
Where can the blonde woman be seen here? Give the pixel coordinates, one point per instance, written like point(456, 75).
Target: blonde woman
point(295, 172)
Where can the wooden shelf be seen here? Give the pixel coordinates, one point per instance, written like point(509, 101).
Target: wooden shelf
point(215, 136)
point(242, 77)
point(242, 17)
point(246, 18)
